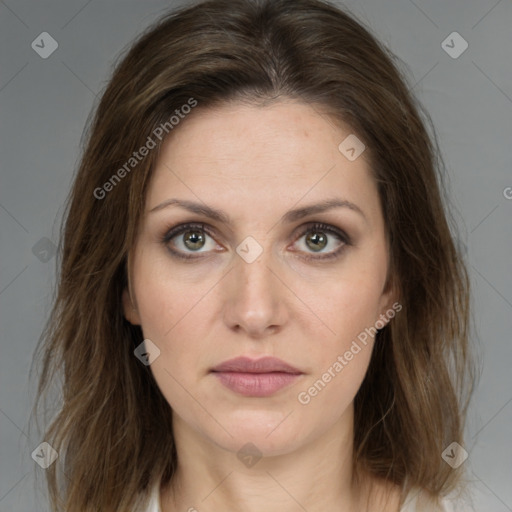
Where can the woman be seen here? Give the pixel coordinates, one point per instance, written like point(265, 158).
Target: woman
point(260, 303)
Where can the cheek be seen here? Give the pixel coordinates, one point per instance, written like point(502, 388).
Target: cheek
point(166, 301)
point(347, 297)
point(340, 358)
point(353, 305)
point(329, 396)
point(174, 315)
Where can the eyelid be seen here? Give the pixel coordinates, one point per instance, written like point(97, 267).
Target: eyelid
point(328, 228)
point(179, 229)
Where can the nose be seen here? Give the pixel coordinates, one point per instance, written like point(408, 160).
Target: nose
point(255, 300)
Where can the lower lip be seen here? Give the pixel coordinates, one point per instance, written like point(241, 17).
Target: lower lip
point(256, 384)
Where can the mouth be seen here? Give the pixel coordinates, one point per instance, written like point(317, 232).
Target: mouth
point(256, 377)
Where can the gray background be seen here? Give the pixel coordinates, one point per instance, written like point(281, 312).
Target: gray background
point(44, 104)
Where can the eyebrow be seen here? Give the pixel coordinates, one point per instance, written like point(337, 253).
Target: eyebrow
point(290, 216)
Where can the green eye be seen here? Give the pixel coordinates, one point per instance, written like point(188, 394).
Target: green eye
point(318, 237)
point(186, 239)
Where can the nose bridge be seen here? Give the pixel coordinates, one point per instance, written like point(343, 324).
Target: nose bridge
point(255, 278)
point(255, 302)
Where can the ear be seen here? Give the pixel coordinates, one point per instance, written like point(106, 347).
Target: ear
point(130, 311)
point(389, 301)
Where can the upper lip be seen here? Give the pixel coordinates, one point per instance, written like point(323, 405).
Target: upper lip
point(248, 365)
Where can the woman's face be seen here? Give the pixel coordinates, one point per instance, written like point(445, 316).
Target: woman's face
point(261, 280)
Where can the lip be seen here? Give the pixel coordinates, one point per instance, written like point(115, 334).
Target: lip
point(262, 365)
point(256, 377)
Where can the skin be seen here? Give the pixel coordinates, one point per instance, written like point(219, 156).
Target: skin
point(256, 163)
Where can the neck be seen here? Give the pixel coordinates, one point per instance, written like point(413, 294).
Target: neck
point(317, 475)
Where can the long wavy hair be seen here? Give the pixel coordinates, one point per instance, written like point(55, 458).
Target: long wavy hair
point(113, 427)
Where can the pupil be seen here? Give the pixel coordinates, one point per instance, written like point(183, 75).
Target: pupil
point(318, 239)
point(194, 238)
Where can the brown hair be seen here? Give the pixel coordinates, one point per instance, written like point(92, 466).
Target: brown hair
point(113, 421)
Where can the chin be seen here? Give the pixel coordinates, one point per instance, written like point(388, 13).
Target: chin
point(273, 433)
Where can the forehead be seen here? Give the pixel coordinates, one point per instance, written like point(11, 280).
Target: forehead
point(286, 131)
point(256, 157)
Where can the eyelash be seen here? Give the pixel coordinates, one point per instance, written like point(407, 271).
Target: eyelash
point(311, 227)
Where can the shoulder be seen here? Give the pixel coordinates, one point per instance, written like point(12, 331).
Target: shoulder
point(419, 500)
point(153, 504)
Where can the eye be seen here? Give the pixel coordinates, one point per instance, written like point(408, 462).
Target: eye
point(318, 236)
point(195, 238)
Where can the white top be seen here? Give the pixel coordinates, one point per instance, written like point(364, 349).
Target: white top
point(154, 503)
point(417, 501)
point(413, 503)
